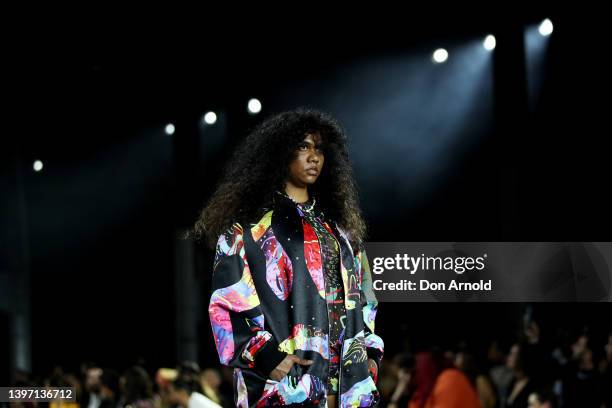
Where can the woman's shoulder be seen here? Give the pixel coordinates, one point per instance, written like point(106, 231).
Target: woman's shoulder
point(453, 381)
point(259, 228)
point(234, 229)
point(239, 224)
point(452, 375)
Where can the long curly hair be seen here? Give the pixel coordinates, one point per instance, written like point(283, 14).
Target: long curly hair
point(260, 166)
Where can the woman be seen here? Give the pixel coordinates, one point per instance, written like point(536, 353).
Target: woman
point(404, 373)
point(136, 388)
point(522, 383)
point(438, 384)
point(466, 362)
point(292, 307)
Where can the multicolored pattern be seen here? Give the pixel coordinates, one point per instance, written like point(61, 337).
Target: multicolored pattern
point(254, 345)
point(259, 229)
point(236, 298)
point(308, 390)
point(306, 338)
point(275, 295)
point(229, 243)
point(361, 394)
point(355, 350)
point(369, 305)
point(350, 277)
point(369, 315)
point(312, 254)
point(279, 271)
point(374, 342)
point(328, 250)
point(242, 396)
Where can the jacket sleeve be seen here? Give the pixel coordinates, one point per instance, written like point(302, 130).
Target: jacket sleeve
point(235, 312)
point(369, 304)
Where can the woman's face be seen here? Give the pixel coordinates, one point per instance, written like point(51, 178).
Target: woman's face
point(308, 163)
point(512, 361)
point(460, 360)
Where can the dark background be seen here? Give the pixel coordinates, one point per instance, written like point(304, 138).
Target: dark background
point(96, 228)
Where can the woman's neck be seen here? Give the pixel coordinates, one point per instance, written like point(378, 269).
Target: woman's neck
point(297, 194)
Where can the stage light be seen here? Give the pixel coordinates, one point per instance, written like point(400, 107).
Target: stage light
point(170, 129)
point(38, 165)
point(210, 118)
point(489, 43)
point(254, 106)
point(546, 28)
point(440, 55)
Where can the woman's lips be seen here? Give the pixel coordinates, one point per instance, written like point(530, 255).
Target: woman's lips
point(312, 172)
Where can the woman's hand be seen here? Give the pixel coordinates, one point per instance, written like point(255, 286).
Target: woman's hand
point(283, 368)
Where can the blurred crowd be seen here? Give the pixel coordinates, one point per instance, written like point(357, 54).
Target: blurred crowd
point(529, 371)
point(184, 386)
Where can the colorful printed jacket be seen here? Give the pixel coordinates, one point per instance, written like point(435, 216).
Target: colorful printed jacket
point(268, 300)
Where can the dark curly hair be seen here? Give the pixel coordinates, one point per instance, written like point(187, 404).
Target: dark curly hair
point(260, 165)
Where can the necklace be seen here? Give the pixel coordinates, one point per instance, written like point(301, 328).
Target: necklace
point(303, 206)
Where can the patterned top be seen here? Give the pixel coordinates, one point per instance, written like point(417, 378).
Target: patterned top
point(269, 294)
point(334, 289)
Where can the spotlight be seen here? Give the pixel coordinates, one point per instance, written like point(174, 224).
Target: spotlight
point(210, 118)
point(546, 27)
point(170, 129)
point(489, 43)
point(254, 106)
point(440, 55)
point(38, 165)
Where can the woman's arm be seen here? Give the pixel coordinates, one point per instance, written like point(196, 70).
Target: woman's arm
point(236, 316)
point(374, 344)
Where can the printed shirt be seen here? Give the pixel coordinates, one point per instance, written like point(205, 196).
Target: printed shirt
point(269, 299)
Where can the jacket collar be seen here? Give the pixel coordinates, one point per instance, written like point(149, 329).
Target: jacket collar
point(282, 200)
